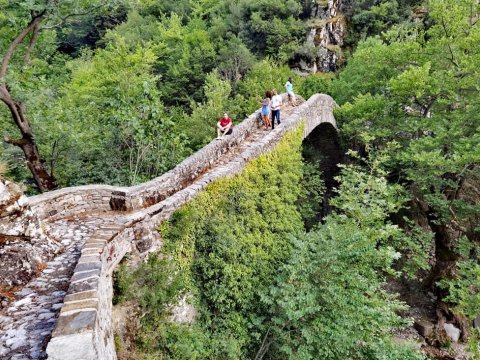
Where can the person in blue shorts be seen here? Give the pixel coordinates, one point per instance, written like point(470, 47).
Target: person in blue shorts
point(266, 109)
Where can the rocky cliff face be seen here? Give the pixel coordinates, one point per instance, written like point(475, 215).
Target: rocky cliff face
point(24, 247)
point(325, 38)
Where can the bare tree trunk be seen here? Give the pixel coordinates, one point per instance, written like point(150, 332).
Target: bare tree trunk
point(43, 179)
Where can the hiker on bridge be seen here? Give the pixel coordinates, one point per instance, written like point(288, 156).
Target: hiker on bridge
point(276, 105)
point(224, 126)
point(266, 108)
point(290, 93)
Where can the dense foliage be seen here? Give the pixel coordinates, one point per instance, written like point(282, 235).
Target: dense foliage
point(261, 286)
point(417, 88)
point(121, 106)
point(328, 300)
point(229, 243)
point(191, 60)
point(372, 17)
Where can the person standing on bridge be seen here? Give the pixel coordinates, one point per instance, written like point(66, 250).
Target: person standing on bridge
point(224, 126)
point(290, 93)
point(266, 108)
point(276, 105)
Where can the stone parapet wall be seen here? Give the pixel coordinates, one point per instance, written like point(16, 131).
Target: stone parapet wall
point(101, 198)
point(84, 328)
point(66, 202)
point(158, 189)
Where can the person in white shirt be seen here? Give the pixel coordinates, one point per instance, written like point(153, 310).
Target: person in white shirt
point(291, 95)
point(275, 105)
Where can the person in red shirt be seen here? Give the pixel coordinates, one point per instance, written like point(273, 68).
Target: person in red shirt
point(224, 126)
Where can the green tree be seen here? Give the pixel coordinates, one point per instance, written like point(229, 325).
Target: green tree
point(226, 245)
point(264, 26)
point(264, 75)
point(200, 126)
point(234, 60)
point(19, 20)
point(185, 55)
point(112, 104)
point(419, 87)
point(372, 17)
point(328, 301)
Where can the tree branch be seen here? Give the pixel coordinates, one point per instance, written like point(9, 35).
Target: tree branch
point(264, 347)
point(53, 157)
point(452, 56)
point(65, 18)
point(17, 41)
point(31, 44)
point(16, 142)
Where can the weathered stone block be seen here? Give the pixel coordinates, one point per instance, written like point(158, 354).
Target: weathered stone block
point(91, 294)
point(92, 250)
point(452, 332)
point(80, 305)
point(94, 244)
point(424, 327)
point(88, 258)
point(84, 285)
point(74, 323)
point(476, 322)
point(78, 276)
point(99, 235)
point(73, 347)
point(96, 265)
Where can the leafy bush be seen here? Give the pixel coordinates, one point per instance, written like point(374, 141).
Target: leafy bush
point(328, 301)
point(263, 288)
point(463, 290)
point(232, 238)
point(224, 248)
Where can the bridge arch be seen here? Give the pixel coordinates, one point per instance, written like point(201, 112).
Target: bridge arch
point(322, 148)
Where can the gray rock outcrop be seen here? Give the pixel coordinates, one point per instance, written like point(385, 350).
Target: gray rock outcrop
point(24, 247)
point(325, 38)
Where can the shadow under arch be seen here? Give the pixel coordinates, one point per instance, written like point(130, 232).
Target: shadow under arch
point(323, 148)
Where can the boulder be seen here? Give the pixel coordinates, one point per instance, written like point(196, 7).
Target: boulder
point(452, 332)
point(476, 322)
point(424, 327)
point(24, 246)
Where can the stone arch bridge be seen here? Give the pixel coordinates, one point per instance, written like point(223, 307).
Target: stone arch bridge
point(65, 313)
